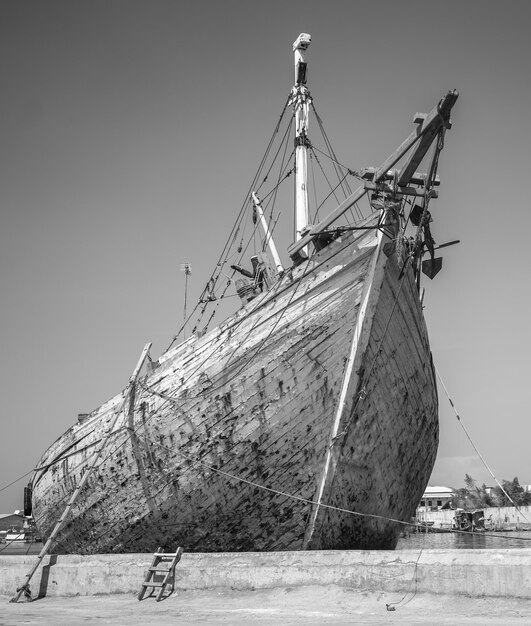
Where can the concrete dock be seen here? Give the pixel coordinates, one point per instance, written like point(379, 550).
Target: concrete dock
point(328, 587)
point(278, 607)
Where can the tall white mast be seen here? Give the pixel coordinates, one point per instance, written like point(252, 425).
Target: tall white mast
point(301, 99)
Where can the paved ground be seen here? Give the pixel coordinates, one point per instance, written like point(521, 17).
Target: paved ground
point(306, 605)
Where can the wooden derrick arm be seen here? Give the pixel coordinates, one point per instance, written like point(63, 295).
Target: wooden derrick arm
point(430, 131)
point(438, 117)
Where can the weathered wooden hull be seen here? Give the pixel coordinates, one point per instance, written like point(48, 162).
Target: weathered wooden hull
point(321, 390)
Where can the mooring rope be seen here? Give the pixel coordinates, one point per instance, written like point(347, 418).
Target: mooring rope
point(285, 494)
point(392, 606)
point(476, 448)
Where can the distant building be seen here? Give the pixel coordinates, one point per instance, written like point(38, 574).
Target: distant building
point(436, 498)
point(16, 527)
point(11, 520)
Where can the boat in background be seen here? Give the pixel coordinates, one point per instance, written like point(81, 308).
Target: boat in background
point(308, 419)
point(15, 535)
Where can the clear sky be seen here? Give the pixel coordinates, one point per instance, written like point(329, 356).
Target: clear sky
point(129, 133)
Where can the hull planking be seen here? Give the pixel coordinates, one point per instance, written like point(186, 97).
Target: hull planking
point(318, 393)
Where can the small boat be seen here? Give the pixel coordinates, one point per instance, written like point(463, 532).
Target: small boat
point(470, 521)
point(15, 535)
point(308, 418)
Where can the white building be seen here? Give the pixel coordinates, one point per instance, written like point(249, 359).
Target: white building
point(436, 498)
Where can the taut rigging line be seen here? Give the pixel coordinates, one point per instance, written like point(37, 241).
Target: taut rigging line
point(475, 447)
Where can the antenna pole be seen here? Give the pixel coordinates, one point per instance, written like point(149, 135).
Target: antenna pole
point(301, 100)
point(187, 269)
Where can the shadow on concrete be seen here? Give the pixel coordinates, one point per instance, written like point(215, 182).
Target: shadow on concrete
point(45, 577)
point(154, 591)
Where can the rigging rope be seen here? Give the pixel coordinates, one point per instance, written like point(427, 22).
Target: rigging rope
point(475, 447)
point(332, 189)
point(16, 480)
point(391, 606)
point(205, 298)
point(207, 295)
point(337, 165)
point(283, 142)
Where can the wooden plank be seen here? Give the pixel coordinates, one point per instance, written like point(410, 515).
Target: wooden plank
point(405, 191)
point(418, 178)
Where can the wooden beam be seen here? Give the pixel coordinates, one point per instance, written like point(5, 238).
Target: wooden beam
point(139, 364)
point(438, 117)
point(433, 120)
point(324, 224)
point(405, 191)
point(418, 178)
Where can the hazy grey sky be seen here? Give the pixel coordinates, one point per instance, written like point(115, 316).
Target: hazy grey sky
point(130, 130)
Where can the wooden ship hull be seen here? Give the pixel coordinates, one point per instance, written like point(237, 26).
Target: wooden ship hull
point(306, 420)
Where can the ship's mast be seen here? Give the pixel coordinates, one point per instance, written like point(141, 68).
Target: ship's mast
point(301, 99)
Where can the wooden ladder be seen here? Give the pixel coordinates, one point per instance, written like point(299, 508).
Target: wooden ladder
point(162, 563)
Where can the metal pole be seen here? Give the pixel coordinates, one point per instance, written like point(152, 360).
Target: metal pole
point(187, 269)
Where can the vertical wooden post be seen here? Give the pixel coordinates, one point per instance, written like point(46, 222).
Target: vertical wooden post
point(24, 588)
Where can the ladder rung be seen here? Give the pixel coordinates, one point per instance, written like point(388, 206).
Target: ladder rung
point(164, 565)
point(156, 568)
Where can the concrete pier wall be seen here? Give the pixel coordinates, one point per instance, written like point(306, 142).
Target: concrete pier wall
point(475, 573)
